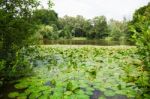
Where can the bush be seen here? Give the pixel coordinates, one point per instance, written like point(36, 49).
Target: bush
point(46, 32)
point(140, 26)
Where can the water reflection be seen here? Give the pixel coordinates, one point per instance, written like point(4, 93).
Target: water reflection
point(87, 42)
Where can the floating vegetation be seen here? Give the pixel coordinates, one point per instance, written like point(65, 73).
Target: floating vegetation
point(83, 73)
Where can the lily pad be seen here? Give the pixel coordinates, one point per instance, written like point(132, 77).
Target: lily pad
point(109, 93)
point(13, 94)
point(21, 86)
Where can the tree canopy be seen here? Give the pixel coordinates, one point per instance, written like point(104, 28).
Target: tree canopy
point(140, 28)
point(16, 28)
point(45, 16)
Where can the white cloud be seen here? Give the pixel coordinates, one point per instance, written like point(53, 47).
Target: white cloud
point(115, 9)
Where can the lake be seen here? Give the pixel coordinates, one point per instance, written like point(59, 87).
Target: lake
point(87, 42)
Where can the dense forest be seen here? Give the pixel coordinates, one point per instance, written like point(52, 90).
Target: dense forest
point(33, 70)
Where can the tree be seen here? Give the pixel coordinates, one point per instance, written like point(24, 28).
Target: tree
point(118, 30)
point(80, 26)
point(99, 29)
point(45, 16)
point(46, 21)
point(46, 33)
point(140, 28)
point(77, 26)
point(66, 25)
point(15, 29)
point(66, 33)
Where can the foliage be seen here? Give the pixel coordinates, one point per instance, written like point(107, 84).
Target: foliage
point(2, 64)
point(140, 26)
point(72, 26)
point(65, 33)
point(13, 94)
point(69, 27)
point(80, 27)
point(96, 28)
point(68, 72)
point(16, 29)
point(46, 32)
point(99, 28)
point(45, 17)
point(118, 30)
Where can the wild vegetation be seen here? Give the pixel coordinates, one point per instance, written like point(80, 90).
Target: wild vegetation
point(81, 73)
point(140, 28)
point(63, 72)
point(96, 28)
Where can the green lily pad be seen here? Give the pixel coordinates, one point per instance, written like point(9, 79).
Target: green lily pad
point(109, 93)
point(34, 95)
point(45, 96)
point(102, 97)
point(80, 92)
point(13, 94)
point(68, 93)
point(82, 96)
point(21, 86)
point(22, 96)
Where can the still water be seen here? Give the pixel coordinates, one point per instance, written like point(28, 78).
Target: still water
point(87, 42)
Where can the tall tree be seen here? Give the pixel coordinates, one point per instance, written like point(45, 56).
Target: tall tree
point(118, 29)
point(45, 16)
point(15, 28)
point(99, 29)
point(77, 26)
point(140, 28)
point(66, 25)
point(81, 26)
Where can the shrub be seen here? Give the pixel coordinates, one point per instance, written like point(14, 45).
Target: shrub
point(140, 26)
point(46, 32)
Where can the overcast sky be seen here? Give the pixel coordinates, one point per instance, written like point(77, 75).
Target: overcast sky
point(116, 9)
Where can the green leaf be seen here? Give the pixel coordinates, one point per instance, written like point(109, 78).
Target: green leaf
point(68, 93)
point(45, 96)
point(34, 95)
point(22, 96)
point(21, 86)
point(102, 97)
point(13, 94)
point(147, 96)
point(109, 93)
point(82, 96)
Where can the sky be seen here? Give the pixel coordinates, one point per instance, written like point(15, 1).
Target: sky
point(116, 9)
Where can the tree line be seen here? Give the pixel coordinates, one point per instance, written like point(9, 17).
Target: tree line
point(52, 27)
